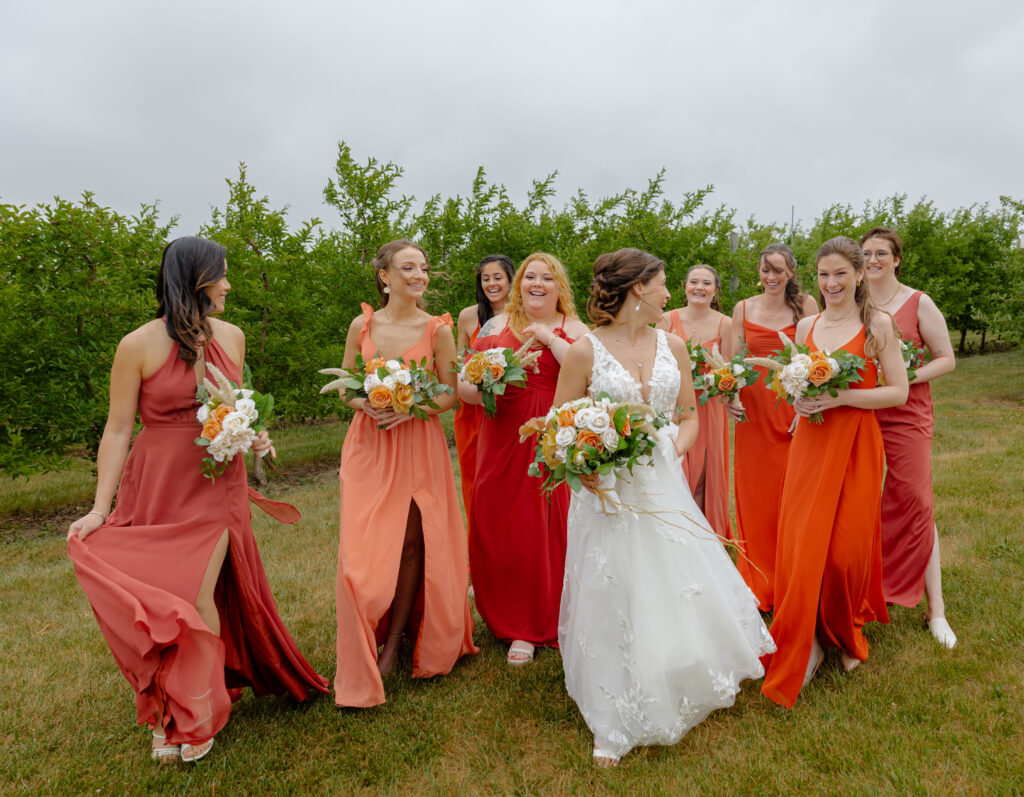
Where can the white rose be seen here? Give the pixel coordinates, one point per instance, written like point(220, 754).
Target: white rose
point(599, 421)
point(565, 436)
point(794, 380)
point(584, 416)
point(234, 422)
point(580, 458)
point(243, 393)
point(552, 415)
point(737, 369)
point(393, 366)
point(403, 377)
point(217, 448)
point(495, 357)
point(247, 407)
point(203, 413)
point(371, 381)
point(834, 366)
point(389, 382)
point(610, 439)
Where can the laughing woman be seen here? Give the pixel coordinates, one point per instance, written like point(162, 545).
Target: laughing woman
point(173, 573)
point(402, 555)
point(828, 577)
point(517, 548)
point(910, 539)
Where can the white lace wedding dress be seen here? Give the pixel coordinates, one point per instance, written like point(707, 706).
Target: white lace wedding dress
point(656, 628)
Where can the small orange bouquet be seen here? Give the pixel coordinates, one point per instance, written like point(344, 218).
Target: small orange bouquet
point(800, 372)
point(721, 377)
point(406, 388)
point(492, 370)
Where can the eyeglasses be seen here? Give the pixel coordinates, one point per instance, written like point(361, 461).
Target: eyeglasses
point(881, 254)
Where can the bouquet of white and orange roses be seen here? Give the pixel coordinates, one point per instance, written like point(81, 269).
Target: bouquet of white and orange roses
point(589, 436)
point(492, 370)
point(406, 388)
point(231, 417)
point(721, 377)
point(798, 372)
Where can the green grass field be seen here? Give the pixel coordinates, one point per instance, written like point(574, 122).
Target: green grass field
point(914, 718)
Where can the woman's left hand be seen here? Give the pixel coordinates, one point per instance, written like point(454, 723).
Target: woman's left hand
point(808, 406)
point(264, 443)
point(591, 481)
point(542, 332)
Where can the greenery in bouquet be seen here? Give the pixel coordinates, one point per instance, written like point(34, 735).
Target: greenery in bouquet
point(726, 378)
point(406, 388)
point(492, 370)
point(231, 418)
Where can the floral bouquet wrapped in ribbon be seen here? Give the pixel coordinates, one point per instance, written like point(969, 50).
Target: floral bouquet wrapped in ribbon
point(723, 377)
point(406, 388)
point(492, 370)
point(797, 372)
point(231, 418)
point(588, 436)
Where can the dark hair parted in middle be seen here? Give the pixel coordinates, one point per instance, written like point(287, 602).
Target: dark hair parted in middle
point(188, 267)
point(614, 274)
point(484, 311)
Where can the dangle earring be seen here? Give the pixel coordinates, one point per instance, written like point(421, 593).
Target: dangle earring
point(639, 301)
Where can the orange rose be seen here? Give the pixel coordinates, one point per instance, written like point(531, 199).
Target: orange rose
point(531, 427)
point(726, 381)
point(585, 437)
point(379, 397)
point(211, 428)
point(497, 371)
point(820, 371)
point(401, 401)
point(475, 369)
point(374, 364)
point(219, 412)
point(566, 417)
point(627, 430)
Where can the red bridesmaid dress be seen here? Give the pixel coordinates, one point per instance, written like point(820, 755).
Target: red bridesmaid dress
point(761, 449)
point(382, 472)
point(710, 453)
point(517, 548)
point(467, 426)
point(142, 569)
point(908, 518)
point(828, 570)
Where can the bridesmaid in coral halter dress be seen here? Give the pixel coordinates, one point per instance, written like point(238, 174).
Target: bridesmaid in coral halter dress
point(706, 463)
point(493, 279)
point(762, 440)
point(828, 571)
point(910, 540)
point(402, 556)
point(173, 573)
point(517, 549)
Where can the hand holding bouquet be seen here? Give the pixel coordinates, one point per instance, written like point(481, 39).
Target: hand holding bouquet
point(493, 370)
point(590, 436)
point(232, 419)
point(800, 373)
point(723, 377)
point(393, 385)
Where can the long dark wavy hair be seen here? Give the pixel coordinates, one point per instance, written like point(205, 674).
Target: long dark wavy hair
point(484, 311)
point(188, 267)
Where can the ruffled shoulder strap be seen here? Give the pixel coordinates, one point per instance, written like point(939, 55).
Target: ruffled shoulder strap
point(434, 324)
point(364, 333)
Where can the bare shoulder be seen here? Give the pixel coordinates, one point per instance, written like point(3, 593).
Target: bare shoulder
point(803, 326)
point(927, 305)
point(580, 354)
point(356, 326)
point(575, 329)
point(676, 345)
point(142, 339)
point(809, 305)
point(224, 331)
point(467, 316)
point(882, 324)
point(494, 325)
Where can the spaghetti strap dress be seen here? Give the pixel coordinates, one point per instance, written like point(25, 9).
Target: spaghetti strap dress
point(828, 571)
point(710, 453)
point(908, 515)
point(761, 448)
point(142, 570)
point(382, 472)
point(467, 426)
point(517, 549)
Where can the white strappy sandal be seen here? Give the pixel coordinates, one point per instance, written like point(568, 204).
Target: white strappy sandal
point(163, 752)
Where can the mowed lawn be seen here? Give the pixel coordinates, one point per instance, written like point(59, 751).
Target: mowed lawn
point(914, 718)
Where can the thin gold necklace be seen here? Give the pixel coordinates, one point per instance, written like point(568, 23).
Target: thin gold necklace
point(832, 324)
point(886, 302)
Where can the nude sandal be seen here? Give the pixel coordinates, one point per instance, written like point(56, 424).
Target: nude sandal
point(163, 752)
point(520, 653)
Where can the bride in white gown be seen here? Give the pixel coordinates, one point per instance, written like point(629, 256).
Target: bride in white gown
point(657, 628)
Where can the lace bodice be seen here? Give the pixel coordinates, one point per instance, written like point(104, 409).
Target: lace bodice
point(611, 377)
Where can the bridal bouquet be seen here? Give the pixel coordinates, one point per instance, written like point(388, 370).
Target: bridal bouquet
point(589, 436)
point(721, 377)
point(492, 370)
point(231, 418)
point(797, 372)
point(407, 388)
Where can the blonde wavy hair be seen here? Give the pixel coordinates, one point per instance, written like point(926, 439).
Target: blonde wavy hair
point(518, 320)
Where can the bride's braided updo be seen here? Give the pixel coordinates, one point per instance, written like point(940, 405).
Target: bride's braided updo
point(614, 274)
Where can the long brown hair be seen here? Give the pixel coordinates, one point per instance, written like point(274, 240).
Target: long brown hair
point(382, 261)
point(615, 273)
point(850, 250)
point(514, 310)
point(188, 267)
point(794, 296)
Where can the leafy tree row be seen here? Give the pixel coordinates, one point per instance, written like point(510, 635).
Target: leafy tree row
point(76, 276)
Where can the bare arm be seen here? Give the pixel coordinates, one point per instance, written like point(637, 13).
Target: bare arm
point(686, 401)
point(735, 328)
point(810, 305)
point(727, 347)
point(935, 334)
point(574, 375)
point(444, 361)
point(466, 325)
point(348, 361)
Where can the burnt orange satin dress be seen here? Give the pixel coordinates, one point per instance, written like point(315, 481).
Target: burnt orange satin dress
point(142, 569)
point(761, 449)
point(467, 427)
point(382, 472)
point(710, 453)
point(908, 514)
point(828, 570)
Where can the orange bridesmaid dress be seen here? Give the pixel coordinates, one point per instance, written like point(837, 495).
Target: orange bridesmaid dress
point(467, 426)
point(382, 472)
point(828, 570)
point(908, 516)
point(710, 453)
point(142, 569)
point(761, 449)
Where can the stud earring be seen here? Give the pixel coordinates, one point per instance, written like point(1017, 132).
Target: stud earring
point(387, 289)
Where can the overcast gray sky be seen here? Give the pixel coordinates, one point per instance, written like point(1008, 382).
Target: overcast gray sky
point(775, 103)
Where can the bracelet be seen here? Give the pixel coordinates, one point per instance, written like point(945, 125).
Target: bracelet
point(94, 512)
